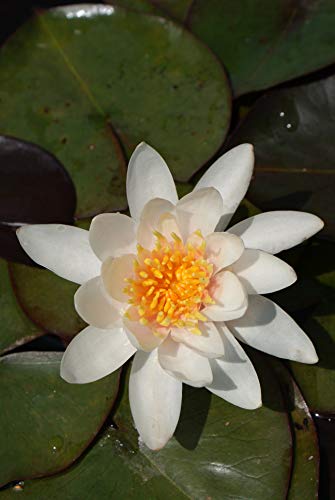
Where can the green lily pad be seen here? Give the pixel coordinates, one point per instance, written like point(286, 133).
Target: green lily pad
point(47, 300)
point(47, 103)
point(292, 130)
point(264, 43)
point(217, 448)
point(88, 71)
point(15, 329)
point(46, 423)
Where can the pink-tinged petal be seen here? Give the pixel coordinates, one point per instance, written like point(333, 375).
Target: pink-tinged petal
point(268, 328)
point(229, 296)
point(95, 306)
point(155, 400)
point(149, 220)
point(209, 343)
point(143, 337)
point(115, 272)
point(184, 363)
point(261, 272)
point(223, 249)
point(64, 250)
point(230, 175)
point(112, 235)
point(95, 353)
point(234, 377)
point(148, 177)
point(200, 209)
point(277, 231)
point(168, 225)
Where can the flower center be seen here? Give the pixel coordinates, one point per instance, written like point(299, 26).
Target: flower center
point(170, 283)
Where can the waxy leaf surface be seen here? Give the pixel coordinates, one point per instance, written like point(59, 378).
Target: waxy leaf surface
point(264, 43)
point(46, 423)
point(91, 73)
point(15, 327)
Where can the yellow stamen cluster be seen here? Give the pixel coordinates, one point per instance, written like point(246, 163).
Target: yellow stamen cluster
point(170, 283)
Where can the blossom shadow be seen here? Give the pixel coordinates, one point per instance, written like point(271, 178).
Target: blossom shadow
point(193, 417)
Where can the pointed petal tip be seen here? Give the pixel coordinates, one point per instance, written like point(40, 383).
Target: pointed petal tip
point(254, 405)
point(142, 145)
point(66, 375)
point(155, 444)
point(310, 358)
point(249, 146)
point(294, 276)
point(321, 222)
point(246, 148)
point(259, 405)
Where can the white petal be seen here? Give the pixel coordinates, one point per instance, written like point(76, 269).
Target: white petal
point(200, 209)
point(230, 175)
point(184, 363)
point(167, 225)
point(234, 377)
point(209, 343)
point(148, 177)
point(114, 273)
point(261, 272)
point(155, 400)
point(112, 235)
point(64, 250)
point(95, 353)
point(229, 295)
point(268, 328)
point(277, 231)
point(141, 336)
point(222, 249)
point(94, 305)
point(218, 313)
point(149, 220)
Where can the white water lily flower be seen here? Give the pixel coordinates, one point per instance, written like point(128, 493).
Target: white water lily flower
point(163, 285)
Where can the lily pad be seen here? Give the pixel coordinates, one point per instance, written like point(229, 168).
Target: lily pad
point(47, 300)
point(88, 71)
point(217, 448)
point(15, 327)
point(292, 130)
point(35, 188)
point(46, 423)
point(264, 43)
